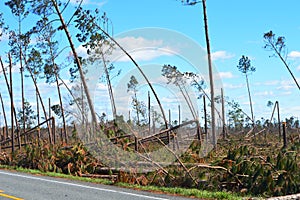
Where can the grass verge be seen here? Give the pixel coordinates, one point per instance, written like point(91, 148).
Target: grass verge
point(166, 190)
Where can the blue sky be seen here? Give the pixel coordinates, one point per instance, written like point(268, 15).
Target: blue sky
point(236, 28)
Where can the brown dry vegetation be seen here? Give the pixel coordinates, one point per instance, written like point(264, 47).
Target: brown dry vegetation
point(242, 163)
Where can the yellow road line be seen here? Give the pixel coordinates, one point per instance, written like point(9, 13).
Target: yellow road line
point(9, 196)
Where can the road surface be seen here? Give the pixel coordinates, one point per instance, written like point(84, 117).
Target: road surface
point(19, 186)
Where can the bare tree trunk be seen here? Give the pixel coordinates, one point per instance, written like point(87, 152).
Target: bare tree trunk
point(223, 114)
point(22, 77)
point(8, 88)
point(212, 95)
point(278, 118)
point(12, 103)
point(84, 119)
point(189, 101)
point(137, 109)
point(251, 108)
point(205, 118)
point(65, 28)
point(11, 108)
point(62, 108)
point(4, 116)
point(149, 113)
point(111, 95)
point(38, 116)
point(179, 115)
point(49, 117)
point(23, 101)
point(284, 134)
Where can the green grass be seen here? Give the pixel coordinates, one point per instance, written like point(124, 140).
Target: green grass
point(173, 191)
point(186, 192)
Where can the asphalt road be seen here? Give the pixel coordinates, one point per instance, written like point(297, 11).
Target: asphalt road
point(18, 186)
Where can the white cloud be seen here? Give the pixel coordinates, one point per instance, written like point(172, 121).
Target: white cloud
point(15, 68)
point(271, 83)
point(265, 93)
point(139, 48)
point(294, 55)
point(286, 85)
point(221, 55)
point(226, 74)
point(298, 68)
point(88, 2)
point(286, 93)
point(138, 42)
point(142, 49)
point(247, 103)
point(233, 86)
point(144, 55)
point(81, 51)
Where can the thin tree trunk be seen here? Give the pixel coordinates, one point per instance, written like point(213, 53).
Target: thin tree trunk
point(179, 113)
point(111, 95)
point(64, 26)
point(38, 116)
point(278, 118)
point(149, 112)
point(49, 117)
point(22, 78)
point(223, 114)
point(188, 101)
point(137, 109)
point(8, 88)
point(205, 118)
point(11, 108)
point(212, 95)
point(12, 101)
point(62, 109)
point(249, 94)
point(82, 106)
point(4, 116)
point(23, 100)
